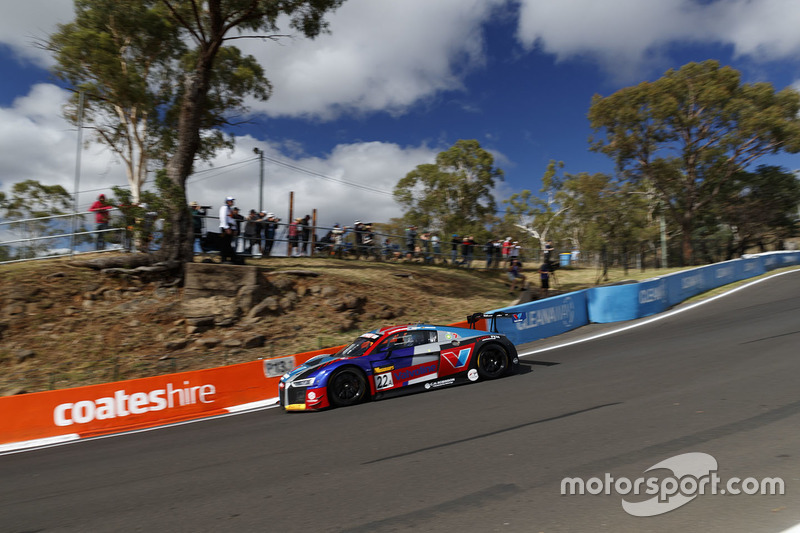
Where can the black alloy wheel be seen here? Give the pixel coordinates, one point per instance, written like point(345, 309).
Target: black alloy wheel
point(347, 387)
point(492, 361)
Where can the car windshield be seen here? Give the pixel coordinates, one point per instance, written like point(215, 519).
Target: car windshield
point(359, 346)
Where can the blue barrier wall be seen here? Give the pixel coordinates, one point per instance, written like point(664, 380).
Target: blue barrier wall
point(553, 316)
point(544, 318)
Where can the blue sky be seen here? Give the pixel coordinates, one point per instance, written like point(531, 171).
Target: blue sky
point(397, 81)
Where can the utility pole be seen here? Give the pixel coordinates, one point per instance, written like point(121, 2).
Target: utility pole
point(260, 178)
point(77, 173)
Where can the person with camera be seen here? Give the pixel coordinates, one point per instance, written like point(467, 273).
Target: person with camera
point(515, 275)
point(198, 214)
point(269, 225)
point(546, 271)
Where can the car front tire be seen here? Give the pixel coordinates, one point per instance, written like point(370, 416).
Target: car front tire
point(347, 387)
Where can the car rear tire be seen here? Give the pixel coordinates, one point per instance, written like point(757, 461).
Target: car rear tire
point(347, 387)
point(492, 361)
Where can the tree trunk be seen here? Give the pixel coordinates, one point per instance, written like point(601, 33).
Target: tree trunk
point(178, 243)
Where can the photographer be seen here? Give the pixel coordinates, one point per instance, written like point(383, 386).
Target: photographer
point(198, 214)
point(269, 224)
point(547, 269)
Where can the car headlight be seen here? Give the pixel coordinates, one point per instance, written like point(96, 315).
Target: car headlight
point(303, 382)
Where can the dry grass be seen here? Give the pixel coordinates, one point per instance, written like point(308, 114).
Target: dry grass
point(58, 338)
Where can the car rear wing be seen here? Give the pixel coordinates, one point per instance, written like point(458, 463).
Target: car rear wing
point(491, 317)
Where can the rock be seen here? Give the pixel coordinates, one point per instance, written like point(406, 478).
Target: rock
point(200, 322)
point(353, 302)
point(328, 291)
point(213, 305)
point(15, 309)
point(209, 342)
point(233, 343)
point(225, 321)
point(24, 355)
point(266, 307)
point(256, 341)
point(249, 296)
point(336, 305)
point(172, 346)
point(348, 323)
point(282, 283)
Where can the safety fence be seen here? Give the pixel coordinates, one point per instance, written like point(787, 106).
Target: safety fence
point(552, 316)
point(36, 419)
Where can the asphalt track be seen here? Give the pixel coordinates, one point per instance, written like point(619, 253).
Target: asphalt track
point(719, 378)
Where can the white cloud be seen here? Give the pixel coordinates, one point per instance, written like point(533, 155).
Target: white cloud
point(380, 56)
point(370, 169)
point(25, 23)
point(625, 35)
point(40, 145)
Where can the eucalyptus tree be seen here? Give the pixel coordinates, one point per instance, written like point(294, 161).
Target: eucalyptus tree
point(454, 194)
point(189, 87)
point(688, 133)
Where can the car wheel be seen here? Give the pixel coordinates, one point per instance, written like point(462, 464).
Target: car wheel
point(347, 387)
point(492, 361)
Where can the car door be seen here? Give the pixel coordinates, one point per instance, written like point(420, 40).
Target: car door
point(412, 356)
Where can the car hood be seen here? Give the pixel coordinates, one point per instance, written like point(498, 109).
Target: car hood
point(314, 362)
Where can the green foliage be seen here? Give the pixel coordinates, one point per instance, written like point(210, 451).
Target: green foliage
point(755, 209)
point(688, 133)
point(453, 195)
point(32, 202)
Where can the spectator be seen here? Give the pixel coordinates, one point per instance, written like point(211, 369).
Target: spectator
point(239, 218)
point(544, 276)
point(411, 242)
point(437, 247)
point(488, 249)
point(515, 251)
point(294, 237)
point(358, 229)
point(387, 250)
point(270, 227)
point(548, 251)
point(515, 275)
point(338, 240)
point(198, 214)
point(506, 249)
point(101, 210)
point(252, 228)
point(467, 251)
point(368, 240)
point(455, 242)
point(305, 233)
point(498, 253)
point(227, 227)
point(425, 240)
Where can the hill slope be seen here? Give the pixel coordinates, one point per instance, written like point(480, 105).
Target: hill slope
point(63, 326)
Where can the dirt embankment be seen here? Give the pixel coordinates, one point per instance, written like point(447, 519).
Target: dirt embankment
point(62, 326)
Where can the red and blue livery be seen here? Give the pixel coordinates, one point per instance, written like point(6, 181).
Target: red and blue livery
point(396, 360)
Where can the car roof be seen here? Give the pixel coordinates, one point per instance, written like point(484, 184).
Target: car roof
point(404, 327)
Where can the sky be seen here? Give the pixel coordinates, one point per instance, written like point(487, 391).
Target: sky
point(398, 81)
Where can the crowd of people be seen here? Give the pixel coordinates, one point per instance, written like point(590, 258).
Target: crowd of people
point(257, 233)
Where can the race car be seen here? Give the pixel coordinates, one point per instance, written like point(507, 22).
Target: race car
point(397, 360)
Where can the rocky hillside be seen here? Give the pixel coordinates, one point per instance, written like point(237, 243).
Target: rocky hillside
point(64, 326)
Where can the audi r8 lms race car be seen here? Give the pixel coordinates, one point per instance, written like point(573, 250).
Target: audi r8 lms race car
point(396, 360)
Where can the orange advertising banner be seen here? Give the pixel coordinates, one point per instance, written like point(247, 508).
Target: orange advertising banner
point(146, 402)
point(68, 414)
